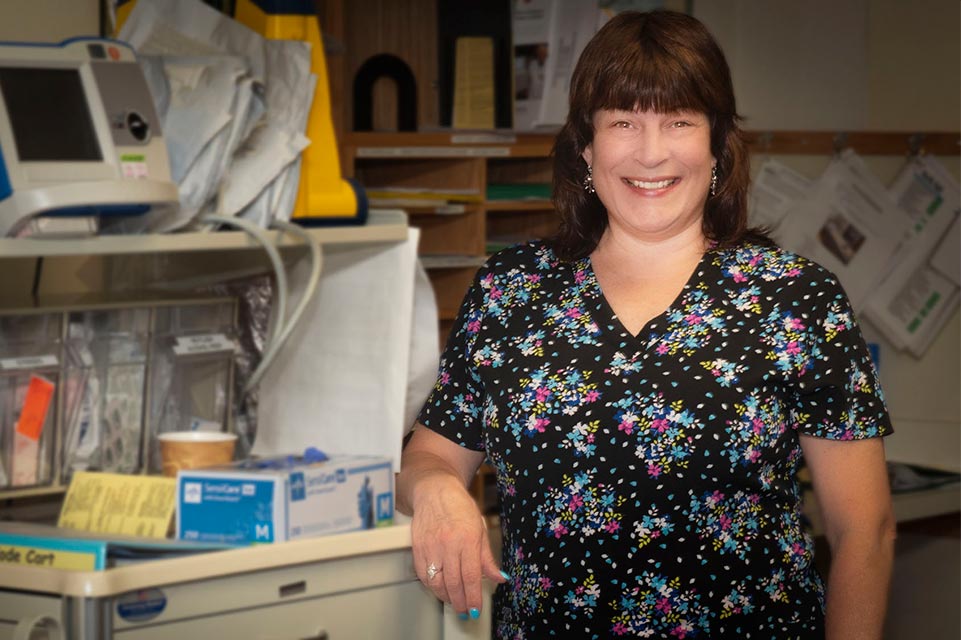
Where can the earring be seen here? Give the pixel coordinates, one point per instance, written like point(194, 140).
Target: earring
point(714, 180)
point(589, 180)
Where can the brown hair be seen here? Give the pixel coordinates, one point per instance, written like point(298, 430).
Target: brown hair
point(662, 61)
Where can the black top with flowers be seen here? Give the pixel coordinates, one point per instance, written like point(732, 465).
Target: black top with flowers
point(647, 483)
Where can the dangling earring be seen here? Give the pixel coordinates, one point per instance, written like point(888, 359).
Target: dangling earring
point(713, 180)
point(589, 180)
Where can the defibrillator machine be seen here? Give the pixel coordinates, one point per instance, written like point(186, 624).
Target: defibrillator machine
point(80, 138)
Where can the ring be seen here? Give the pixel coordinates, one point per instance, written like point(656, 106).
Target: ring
point(432, 570)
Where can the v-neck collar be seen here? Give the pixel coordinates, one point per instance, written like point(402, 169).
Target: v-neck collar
point(607, 319)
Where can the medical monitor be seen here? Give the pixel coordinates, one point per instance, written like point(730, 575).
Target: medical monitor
point(79, 135)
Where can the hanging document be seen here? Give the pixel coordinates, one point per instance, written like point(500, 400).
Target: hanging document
point(920, 293)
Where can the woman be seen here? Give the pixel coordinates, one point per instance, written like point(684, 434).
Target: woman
point(646, 385)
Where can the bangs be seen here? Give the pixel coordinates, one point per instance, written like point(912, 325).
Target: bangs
point(650, 79)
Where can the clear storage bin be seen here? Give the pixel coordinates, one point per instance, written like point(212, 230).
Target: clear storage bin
point(30, 354)
point(105, 379)
point(191, 370)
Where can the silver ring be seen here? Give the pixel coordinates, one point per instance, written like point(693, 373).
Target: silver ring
point(432, 570)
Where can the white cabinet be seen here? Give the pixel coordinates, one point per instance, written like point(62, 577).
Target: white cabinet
point(356, 585)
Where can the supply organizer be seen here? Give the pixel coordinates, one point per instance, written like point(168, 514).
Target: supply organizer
point(88, 386)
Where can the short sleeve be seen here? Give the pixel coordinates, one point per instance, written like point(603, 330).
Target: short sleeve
point(455, 405)
point(838, 394)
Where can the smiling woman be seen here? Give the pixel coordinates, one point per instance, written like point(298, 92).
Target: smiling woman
point(645, 385)
point(651, 171)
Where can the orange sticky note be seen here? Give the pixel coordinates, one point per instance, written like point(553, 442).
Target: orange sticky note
point(35, 406)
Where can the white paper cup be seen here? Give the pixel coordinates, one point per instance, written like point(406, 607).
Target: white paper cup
point(195, 449)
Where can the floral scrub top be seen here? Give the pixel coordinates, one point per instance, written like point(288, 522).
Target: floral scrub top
point(647, 483)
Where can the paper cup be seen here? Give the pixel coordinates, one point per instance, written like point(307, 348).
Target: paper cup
point(195, 449)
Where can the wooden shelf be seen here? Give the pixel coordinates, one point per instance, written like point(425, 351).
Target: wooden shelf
point(462, 144)
point(539, 145)
point(519, 205)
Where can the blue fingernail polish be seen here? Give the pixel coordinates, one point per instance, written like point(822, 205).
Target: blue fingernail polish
point(462, 616)
point(474, 614)
point(505, 575)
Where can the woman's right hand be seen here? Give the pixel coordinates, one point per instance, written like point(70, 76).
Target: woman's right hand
point(448, 532)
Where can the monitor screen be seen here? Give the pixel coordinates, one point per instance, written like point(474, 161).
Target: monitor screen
point(49, 114)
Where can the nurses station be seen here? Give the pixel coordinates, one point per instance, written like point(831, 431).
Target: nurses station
point(222, 301)
point(200, 430)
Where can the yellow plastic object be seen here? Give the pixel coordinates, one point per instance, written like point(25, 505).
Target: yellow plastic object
point(324, 197)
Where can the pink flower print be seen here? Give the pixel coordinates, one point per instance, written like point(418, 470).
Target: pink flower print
point(542, 394)
point(798, 549)
point(739, 277)
point(662, 349)
point(612, 527)
point(758, 425)
point(620, 629)
point(682, 630)
point(753, 455)
point(496, 293)
point(626, 426)
point(579, 276)
point(579, 590)
point(592, 395)
point(693, 318)
point(576, 503)
point(793, 348)
point(545, 583)
point(473, 326)
point(795, 323)
point(573, 312)
point(654, 470)
point(540, 424)
point(445, 377)
point(793, 272)
point(663, 605)
point(754, 260)
point(725, 522)
point(660, 425)
point(590, 437)
point(559, 530)
point(534, 278)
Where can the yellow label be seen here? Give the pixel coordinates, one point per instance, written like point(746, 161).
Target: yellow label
point(47, 558)
point(119, 504)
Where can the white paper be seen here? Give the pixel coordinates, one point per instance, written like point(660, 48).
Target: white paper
point(202, 343)
point(341, 382)
point(914, 300)
point(849, 224)
point(947, 257)
point(573, 24)
point(530, 31)
point(774, 191)
point(424, 346)
point(28, 362)
point(243, 141)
